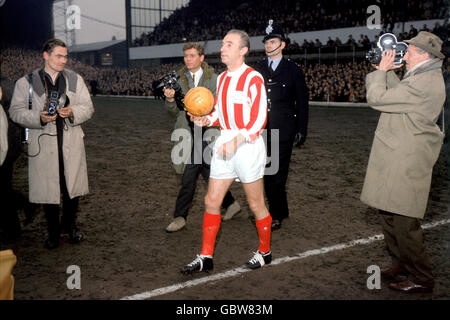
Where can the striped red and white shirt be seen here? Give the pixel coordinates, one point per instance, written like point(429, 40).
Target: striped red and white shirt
point(241, 102)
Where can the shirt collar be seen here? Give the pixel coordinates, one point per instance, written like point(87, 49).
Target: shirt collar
point(197, 73)
point(239, 71)
point(275, 62)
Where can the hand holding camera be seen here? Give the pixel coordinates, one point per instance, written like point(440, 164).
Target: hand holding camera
point(169, 94)
point(46, 118)
point(65, 112)
point(171, 88)
point(387, 61)
point(54, 109)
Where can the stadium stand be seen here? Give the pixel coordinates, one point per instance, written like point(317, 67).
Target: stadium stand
point(111, 81)
point(208, 20)
point(331, 80)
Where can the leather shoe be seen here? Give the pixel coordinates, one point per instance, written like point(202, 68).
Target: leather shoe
point(51, 243)
point(409, 286)
point(276, 224)
point(394, 273)
point(75, 235)
point(232, 210)
point(177, 224)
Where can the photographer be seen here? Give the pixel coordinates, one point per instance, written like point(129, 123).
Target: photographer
point(195, 73)
point(57, 160)
point(405, 148)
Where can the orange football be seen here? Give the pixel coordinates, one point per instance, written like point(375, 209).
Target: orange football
point(199, 101)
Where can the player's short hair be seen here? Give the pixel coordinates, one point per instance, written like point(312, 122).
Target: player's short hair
point(245, 39)
point(51, 44)
point(194, 45)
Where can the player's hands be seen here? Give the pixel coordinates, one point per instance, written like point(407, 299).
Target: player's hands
point(65, 112)
point(199, 121)
point(228, 149)
point(299, 140)
point(45, 118)
point(169, 94)
point(387, 61)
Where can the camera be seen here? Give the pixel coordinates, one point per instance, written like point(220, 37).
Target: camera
point(387, 41)
point(53, 101)
point(169, 81)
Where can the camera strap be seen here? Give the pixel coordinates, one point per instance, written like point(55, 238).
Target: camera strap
point(30, 91)
point(30, 102)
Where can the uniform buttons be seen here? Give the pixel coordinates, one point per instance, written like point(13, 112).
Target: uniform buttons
point(268, 99)
point(270, 80)
point(268, 90)
point(284, 85)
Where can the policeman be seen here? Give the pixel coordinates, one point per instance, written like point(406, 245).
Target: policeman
point(287, 98)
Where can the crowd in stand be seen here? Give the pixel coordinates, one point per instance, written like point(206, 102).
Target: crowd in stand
point(295, 16)
point(336, 82)
point(110, 81)
point(340, 82)
point(326, 82)
point(363, 43)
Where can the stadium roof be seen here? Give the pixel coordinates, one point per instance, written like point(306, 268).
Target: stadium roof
point(94, 46)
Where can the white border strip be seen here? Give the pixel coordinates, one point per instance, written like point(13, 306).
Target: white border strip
point(237, 271)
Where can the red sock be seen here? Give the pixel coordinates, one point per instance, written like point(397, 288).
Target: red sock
point(211, 225)
point(264, 227)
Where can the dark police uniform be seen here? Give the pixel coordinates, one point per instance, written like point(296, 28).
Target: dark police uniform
point(287, 98)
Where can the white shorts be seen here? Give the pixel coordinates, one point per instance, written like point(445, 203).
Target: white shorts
point(247, 164)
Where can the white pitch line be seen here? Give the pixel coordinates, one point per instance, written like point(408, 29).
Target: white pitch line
point(240, 270)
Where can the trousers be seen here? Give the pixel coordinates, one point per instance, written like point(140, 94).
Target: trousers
point(404, 240)
point(70, 206)
point(275, 185)
point(189, 184)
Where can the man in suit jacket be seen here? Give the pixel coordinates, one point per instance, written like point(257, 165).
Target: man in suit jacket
point(196, 72)
point(287, 99)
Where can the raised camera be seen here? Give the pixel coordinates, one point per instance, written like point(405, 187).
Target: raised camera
point(387, 41)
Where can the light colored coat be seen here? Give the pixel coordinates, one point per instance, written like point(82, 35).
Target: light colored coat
point(407, 140)
point(3, 135)
point(43, 169)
